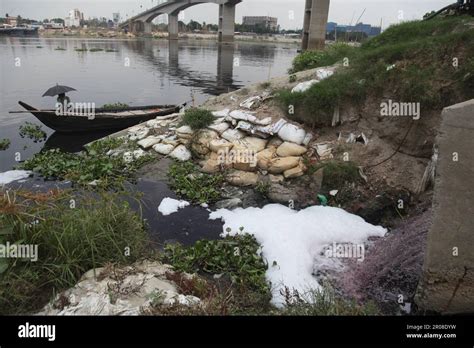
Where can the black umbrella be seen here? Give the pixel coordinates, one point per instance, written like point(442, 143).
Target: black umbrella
point(56, 90)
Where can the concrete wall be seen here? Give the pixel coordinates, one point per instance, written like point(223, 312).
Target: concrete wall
point(226, 22)
point(447, 284)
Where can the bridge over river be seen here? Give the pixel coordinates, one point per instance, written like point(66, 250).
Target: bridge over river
point(315, 19)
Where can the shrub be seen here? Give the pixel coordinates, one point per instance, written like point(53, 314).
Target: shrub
point(315, 59)
point(198, 118)
point(4, 144)
point(198, 187)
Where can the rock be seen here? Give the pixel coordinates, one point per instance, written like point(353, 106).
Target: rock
point(184, 132)
point(130, 290)
point(233, 135)
point(181, 153)
point(241, 178)
point(288, 149)
point(278, 193)
point(154, 124)
point(200, 144)
point(292, 133)
point(218, 145)
point(280, 165)
point(211, 166)
point(163, 149)
point(229, 204)
point(149, 142)
point(264, 158)
point(295, 172)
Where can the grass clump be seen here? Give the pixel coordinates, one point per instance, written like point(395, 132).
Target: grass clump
point(324, 302)
point(81, 49)
point(339, 173)
point(4, 144)
point(198, 118)
point(96, 50)
point(60, 49)
point(315, 59)
point(187, 181)
point(71, 240)
point(95, 163)
point(32, 131)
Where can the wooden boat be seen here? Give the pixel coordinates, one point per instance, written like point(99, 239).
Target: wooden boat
point(103, 119)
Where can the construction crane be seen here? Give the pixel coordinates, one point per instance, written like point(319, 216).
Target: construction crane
point(459, 7)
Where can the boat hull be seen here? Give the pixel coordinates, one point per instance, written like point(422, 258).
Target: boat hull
point(110, 122)
point(19, 31)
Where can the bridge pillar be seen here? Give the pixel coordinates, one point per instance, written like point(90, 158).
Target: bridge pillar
point(315, 21)
point(173, 26)
point(148, 27)
point(226, 22)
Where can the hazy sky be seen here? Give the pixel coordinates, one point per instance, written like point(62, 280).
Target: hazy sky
point(341, 11)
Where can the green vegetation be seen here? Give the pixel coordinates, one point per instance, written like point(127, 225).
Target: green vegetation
point(237, 256)
point(96, 50)
point(265, 85)
point(80, 49)
point(315, 59)
point(111, 50)
point(59, 49)
point(198, 118)
point(4, 144)
point(93, 164)
point(71, 239)
point(39, 46)
point(33, 132)
point(115, 106)
point(189, 182)
point(337, 174)
point(427, 62)
point(324, 302)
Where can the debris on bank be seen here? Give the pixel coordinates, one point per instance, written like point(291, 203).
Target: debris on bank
point(13, 175)
point(130, 290)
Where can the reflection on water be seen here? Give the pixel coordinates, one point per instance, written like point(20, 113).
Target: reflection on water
point(136, 72)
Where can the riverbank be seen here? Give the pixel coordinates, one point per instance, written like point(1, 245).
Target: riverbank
point(116, 34)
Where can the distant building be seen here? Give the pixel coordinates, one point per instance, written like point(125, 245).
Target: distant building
point(11, 21)
point(368, 29)
point(270, 23)
point(74, 19)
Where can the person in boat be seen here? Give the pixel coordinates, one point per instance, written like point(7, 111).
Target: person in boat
point(63, 99)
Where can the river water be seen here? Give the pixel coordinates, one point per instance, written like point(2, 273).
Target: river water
point(139, 72)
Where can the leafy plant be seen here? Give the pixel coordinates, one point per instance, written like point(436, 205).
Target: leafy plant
point(95, 163)
point(236, 256)
point(4, 144)
point(198, 118)
point(187, 181)
point(33, 132)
